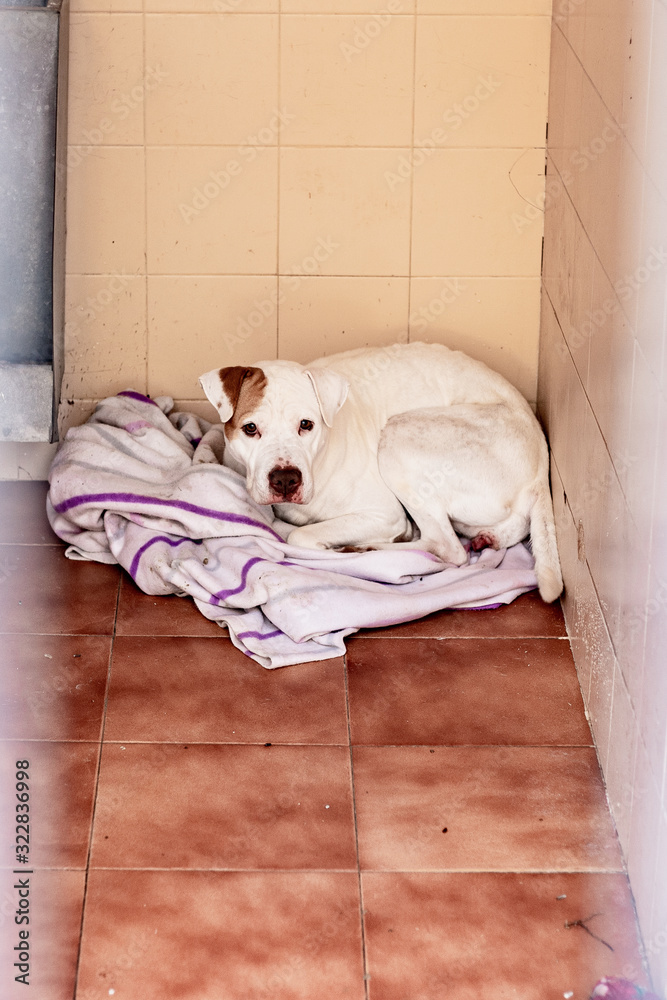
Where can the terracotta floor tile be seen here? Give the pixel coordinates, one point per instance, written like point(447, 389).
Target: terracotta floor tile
point(216, 806)
point(202, 690)
point(23, 517)
point(467, 937)
point(52, 686)
point(528, 615)
point(503, 809)
point(61, 790)
point(439, 691)
point(222, 936)
point(43, 592)
point(56, 899)
point(147, 614)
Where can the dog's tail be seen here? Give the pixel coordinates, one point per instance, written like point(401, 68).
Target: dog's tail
point(543, 539)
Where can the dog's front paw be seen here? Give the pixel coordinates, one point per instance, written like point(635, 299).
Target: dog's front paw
point(306, 538)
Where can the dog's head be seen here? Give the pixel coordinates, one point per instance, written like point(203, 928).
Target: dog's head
point(276, 418)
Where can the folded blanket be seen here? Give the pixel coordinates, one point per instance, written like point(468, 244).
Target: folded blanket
point(129, 487)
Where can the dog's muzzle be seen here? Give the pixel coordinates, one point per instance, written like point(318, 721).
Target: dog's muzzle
point(285, 482)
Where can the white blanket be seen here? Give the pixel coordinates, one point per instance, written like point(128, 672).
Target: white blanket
point(124, 489)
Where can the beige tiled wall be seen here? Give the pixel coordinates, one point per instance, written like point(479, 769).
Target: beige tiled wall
point(254, 179)
point(602, 396)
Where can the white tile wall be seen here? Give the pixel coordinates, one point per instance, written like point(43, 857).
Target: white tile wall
point(602, 393)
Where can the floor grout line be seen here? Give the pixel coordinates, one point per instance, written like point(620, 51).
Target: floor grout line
point(96, 787)
point(364, 950)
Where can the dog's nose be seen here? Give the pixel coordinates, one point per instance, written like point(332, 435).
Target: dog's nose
point(285, 481)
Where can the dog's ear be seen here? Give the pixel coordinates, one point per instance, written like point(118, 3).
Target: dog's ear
point(223, 387)
point(331, 390)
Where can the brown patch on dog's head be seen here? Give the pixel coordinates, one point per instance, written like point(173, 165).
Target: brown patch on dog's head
point(234, 389)
point(244, 388)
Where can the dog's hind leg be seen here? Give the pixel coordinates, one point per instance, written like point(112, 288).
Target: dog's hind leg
point(423, 494)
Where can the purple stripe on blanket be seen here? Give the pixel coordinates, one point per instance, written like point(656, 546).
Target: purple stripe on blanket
point(158, 538)
point(77, 501)
point(137, 395)
point(258, 635)
point(223, 594)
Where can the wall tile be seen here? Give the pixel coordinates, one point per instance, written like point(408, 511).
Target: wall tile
point(654, 688)
point(610, 371)
point(337, 81)
point(196, 323)
point(644, 833)
point(219, 80)
point(495, 320)
point(105, 335)
point(566, 535)
point(483, 6)
point(469, 212)
point(620, 763)
point(608, 150)
point(565, 93)
point(211, 6)
point(323, 315)
point(634, 572)
point(572, 454)
point(481, 81)
point(106, 6)
point(339, 200)
point(212, 210)
point(656, 141)
point(643, 440)
point(607, 45)
point(599, 653)
point(558, 260)
point(558, 380)
point(107, 82)
point(105, 210)
point(386, 9)
point(649, 279)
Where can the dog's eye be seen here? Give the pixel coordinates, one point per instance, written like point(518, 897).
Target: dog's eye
point(250, 429)
point(306, 425)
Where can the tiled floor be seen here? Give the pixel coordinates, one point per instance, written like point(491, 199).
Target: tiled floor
point(422, 820)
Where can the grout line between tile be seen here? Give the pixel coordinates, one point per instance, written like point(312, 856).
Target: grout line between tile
point(356, 834)
point(97, 780)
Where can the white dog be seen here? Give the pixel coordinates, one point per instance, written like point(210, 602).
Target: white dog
point(400, 446)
